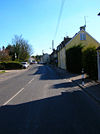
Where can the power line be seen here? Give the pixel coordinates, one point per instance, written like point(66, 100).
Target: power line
point(59, 18)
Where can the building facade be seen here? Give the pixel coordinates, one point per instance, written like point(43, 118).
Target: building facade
point(82, 37)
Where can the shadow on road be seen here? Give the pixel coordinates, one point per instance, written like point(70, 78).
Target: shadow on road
point(68, 113)
point(49, 73)
point(64, 85)
point(46, 73)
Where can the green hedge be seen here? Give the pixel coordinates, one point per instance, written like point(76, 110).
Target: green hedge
point(74, 59)
point(78, 57)
point(10, 65)
point(90, 61)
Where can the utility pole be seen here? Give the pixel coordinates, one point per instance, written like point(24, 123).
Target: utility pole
point(42, 52)
point(52, 45)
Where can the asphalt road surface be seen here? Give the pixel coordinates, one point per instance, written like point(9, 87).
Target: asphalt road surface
point(38, 101)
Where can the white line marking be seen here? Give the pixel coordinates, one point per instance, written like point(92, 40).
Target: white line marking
point(30, 81)
point(70, 80)
point(17, 93)
point(13, 97)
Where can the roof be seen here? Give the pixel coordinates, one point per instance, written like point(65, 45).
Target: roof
point(79, 33)
point(63, 43)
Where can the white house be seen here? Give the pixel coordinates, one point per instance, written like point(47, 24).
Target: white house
point(45, 58)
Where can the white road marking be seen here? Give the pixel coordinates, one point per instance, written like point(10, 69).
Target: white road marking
point(13, 97)
point(70, 80)
point(17, 93)
point(30, 81)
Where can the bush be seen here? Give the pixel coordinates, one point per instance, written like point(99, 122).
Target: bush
point(89, 60)
point(74, 59)
point(78, 57)
point(10, 65)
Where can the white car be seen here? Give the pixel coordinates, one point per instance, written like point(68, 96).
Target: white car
point(33, 62)
point(25, 64)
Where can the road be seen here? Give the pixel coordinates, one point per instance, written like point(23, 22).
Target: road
point(38, 101)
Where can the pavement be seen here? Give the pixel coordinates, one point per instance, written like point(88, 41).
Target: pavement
point(92, 88)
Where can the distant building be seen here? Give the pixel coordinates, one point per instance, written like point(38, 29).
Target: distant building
point(45, 58)
point(62, 53)
point(31, 60)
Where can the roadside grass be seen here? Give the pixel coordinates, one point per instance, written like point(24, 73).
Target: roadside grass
point(2, 71)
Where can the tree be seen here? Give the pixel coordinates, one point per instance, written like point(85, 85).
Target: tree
point(4, 55)
point(37, 57)
point(22, 48)
point(11, 51)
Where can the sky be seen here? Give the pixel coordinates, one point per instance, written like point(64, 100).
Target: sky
point(37, 21)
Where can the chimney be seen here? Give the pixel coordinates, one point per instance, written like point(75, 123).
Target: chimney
point(83, 27)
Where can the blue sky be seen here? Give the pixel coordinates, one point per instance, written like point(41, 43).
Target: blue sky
point(36, 21)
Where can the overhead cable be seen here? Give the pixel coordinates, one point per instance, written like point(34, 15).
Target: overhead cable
point(59, 18)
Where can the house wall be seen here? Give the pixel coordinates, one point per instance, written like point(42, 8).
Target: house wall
point(59, 59)
point(77, 41)
point(62, 58)
point(74, 41)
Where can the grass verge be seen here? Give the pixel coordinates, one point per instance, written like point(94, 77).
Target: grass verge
point(2, 71)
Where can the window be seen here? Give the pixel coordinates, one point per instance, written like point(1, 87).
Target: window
point(82, 36)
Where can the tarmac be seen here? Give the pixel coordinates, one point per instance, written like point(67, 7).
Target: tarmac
point(9, 74)
point(92, 88)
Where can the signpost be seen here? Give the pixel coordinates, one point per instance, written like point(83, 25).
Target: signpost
point(98, 58)
point(98, 62)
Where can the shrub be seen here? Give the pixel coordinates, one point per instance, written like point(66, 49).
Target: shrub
point(10, 65)
point(74, 59)
point(89, 60)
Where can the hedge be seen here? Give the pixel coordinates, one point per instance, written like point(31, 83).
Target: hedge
point(74, 59)
point(78, 57)
point(89, 57)
point(10, 65)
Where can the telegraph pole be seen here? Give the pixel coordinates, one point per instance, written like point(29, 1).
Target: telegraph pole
point(52, 45)
point(42, 52)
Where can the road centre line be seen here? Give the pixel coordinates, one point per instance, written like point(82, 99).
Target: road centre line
point(13, 97)
point(30, 81)
point(17, 93)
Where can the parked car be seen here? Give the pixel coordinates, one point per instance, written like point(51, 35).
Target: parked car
point(33, 62)
point(40, 62)
point(25, 64)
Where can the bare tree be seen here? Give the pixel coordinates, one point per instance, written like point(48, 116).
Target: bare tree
point(22, 49)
